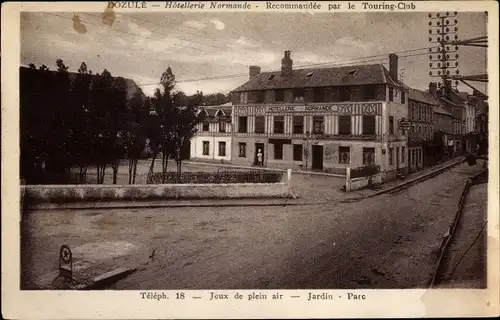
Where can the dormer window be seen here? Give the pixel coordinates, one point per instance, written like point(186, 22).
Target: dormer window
point(309, 74)
point(298, 94)
point(351, 73)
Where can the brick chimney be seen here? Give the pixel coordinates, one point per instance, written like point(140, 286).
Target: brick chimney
point(433, 88)
point(393, 66)
point(286, 64)
point(253, 71)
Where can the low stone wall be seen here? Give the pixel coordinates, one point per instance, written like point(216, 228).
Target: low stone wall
point(362, 182)
point(99, 192)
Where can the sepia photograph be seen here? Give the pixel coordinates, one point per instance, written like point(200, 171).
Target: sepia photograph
point(218, 159)
point(234, 150)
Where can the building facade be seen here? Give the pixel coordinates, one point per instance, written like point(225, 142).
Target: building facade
point(325, 119)
point(443, 132)
point(212, 141)
point(421, 116)
point(454, 104)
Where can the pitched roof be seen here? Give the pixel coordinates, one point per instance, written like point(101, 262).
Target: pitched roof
point(422, 96)
point(320, 77)
point(213, 111)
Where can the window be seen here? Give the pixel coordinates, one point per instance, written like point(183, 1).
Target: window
point(271, 77)
point(318, 124)
point(278, 152)
point(391, 126)
point(243, 97)
point(222, 148)
point(222, 126)
point(279, 95)
point(403, 151)
point(391, 156)
point(260, 95)
point(298, 124)
point(298, 94)
point(279, 124)
point(319, 95)
point(259, 124)
point(391, 94)
point(344, 155)
point(368, 156)
point(345, 94)
point(351, 73)
point(205, 126)
point(403, 96)
point(368, 125)
point(242, 149)
point(242, 124)
point(344, 125)
point(297, 152)
point(369, 92)
point(206, 148)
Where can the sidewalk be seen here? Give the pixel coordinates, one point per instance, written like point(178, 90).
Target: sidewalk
point(465, 263)
point(408, 180)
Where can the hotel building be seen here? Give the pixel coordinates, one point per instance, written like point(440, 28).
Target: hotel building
point(326, 119)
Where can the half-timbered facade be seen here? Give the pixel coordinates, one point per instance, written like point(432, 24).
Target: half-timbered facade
point(326, 119)
point(213, 139)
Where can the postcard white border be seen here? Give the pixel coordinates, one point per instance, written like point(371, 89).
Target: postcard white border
point(128, 304)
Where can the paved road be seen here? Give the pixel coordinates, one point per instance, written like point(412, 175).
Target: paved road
point(388, 241)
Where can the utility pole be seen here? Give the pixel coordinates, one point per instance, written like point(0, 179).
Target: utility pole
point(443, 31)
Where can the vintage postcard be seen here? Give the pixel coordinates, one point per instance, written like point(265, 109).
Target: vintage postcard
point(232, 159)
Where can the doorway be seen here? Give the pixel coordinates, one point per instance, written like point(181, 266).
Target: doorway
point(317, 157)
point(259, 146)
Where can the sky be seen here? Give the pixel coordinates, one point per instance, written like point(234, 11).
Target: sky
point(221, 46)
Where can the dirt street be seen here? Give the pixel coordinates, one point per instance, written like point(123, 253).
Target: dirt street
point(389, 241)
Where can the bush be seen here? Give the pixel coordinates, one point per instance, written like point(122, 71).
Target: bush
point(216, 177)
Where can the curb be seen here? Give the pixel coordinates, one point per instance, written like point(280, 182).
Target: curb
point(450, 233)
point(162, 205)
point(409, 183)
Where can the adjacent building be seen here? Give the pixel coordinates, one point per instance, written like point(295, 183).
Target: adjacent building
point(443, 132)
point(325, 119)
point(456, 106)
point(213, 139)
point(421, 116)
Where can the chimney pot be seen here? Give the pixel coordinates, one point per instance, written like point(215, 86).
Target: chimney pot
point(393, 67)
point(286, 63)
point(253, 71)
point(433, 88)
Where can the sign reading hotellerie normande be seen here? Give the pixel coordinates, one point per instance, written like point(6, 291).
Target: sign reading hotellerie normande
point(351, 108)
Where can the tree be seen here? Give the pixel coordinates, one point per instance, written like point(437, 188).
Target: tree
point(163, 103)
point(135, 139)
point(81, 143)
point(186, 120)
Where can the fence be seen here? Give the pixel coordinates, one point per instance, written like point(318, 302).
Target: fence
point(365, 171)
point(255, 176)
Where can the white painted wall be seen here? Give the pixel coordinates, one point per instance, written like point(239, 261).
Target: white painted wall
point(197, 147)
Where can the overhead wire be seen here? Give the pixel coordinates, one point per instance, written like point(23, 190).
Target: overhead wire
point(348, 61)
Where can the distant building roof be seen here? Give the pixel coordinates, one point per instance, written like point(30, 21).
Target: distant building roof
point(441, 110)
point(131, 87)
point(218, 110)
point(321, 77)
point(422, 96)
